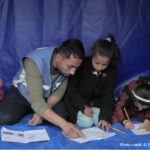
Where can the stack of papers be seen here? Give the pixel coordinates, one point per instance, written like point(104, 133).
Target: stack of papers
point(24, 136)
point(137, 131)
point(93, 133)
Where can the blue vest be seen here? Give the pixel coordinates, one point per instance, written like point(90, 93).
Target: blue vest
point(42, 58)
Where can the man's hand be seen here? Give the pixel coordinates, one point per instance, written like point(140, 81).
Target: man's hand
point(145, 124)
point(127, 124)
point(36, 119)
point(105, 125)
point(71, 131)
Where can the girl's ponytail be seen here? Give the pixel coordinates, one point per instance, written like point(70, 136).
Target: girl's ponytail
point(107, 47)
point(116, 54)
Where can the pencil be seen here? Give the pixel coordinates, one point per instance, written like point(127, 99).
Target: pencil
point(118, 130)
point(127, 114)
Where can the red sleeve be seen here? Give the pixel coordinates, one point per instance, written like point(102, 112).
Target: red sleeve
point(119, 114)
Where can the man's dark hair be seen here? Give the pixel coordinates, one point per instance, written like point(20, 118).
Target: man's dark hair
point(71, 47)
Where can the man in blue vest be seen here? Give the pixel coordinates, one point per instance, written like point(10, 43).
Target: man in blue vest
point(40, 84)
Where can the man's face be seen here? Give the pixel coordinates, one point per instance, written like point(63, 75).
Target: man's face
point(68, 66)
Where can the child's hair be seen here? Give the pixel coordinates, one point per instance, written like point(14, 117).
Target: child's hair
point(143, 90)
point(108, 48)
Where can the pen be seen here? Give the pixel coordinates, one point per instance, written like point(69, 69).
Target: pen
point(118, 130)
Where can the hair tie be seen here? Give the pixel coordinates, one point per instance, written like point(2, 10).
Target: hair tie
point(140, 98)
point(108, 39)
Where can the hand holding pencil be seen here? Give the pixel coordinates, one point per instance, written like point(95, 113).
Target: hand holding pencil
point(127, 123)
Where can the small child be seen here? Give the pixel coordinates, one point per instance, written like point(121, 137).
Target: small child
point(136, 99)
point(90, 94)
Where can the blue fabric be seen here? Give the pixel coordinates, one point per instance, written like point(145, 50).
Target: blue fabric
point(59, 141)
point(29, 24)
point(26, 25)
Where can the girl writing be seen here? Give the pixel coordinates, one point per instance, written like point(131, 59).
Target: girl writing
point(135, 98)
point(90, 90)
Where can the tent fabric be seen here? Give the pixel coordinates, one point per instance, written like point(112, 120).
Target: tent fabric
point(29, 24)
point(26, 25)
point(58, 141)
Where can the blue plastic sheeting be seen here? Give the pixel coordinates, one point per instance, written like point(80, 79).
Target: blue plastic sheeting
point(26, 25)
point(59, 141)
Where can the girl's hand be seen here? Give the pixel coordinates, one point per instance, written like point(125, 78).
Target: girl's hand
point(105, 125)
point(88, 112)
point(127, 124)
point(145, 124)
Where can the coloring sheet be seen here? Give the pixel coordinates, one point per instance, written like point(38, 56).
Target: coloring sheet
point(93, 133)
point(24, 136)
point(136, 131)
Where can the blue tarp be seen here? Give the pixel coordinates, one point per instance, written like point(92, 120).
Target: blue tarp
point(28, 24)
point(58, 141)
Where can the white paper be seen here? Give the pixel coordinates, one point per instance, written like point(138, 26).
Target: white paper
point(93, 133)
point(24, 136)
point(137, 131)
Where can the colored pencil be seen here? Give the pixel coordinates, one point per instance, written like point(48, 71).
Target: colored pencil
point(127, 115)
point(118, 130)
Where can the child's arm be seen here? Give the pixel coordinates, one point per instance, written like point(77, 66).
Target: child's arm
point(105, 100)
point(147, 114)
point(119, 113)
point(145, 124)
